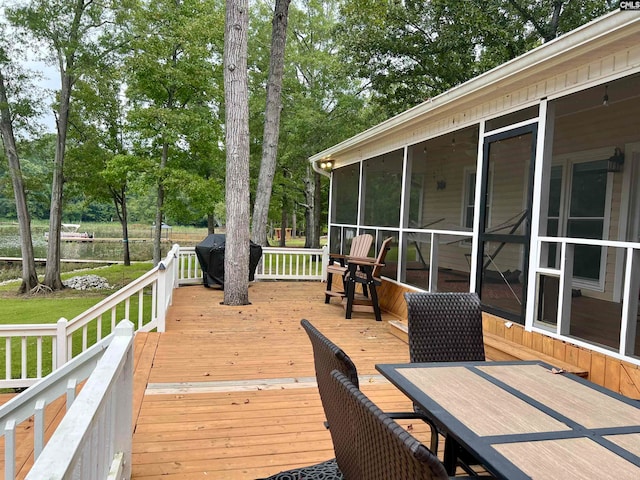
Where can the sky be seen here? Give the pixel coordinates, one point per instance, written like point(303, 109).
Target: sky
point(50, 81)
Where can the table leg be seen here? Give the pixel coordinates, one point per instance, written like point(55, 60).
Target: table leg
point(451, 449)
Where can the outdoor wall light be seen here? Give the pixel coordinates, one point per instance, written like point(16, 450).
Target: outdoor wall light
point(614, 163)
point(326, 165)
point(605, 99)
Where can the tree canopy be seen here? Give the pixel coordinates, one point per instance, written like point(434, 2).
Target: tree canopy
point(407, 52)
point(140, 107)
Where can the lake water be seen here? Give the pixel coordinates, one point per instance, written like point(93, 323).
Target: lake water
point(96, 250)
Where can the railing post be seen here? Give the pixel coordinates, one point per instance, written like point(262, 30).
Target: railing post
point(123, 403)
point(161, 292)
point(176, 267)
point(61, 343)
point(325, 262)
point(10, 450)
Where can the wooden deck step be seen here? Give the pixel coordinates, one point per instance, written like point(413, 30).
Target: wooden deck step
point(500, 349)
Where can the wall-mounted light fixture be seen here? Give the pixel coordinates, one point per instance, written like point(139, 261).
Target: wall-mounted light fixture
point(614, 163)
point(326, 165)
point(605, 99)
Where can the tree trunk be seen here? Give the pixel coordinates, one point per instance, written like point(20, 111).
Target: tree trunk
point(211, 224)
point(157, 233)
point(294, 225)
point(312, 210)
point(236, 93)
point(126, 255)
point(283, 226)
point(52, 271)
point(125, 230)
point(29, 274)
point(317, 210)
point(120, 203)
point(271, 123)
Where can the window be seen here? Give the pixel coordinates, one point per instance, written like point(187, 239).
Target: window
point(586, 217)
point(583, 214)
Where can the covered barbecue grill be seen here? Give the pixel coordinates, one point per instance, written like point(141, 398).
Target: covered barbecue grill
point(210, 253)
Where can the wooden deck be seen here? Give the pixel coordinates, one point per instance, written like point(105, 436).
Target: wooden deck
point(229, 392)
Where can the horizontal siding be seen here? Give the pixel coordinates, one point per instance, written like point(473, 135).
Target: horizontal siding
point(609, 372)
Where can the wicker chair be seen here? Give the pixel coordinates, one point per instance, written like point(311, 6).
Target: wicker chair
point(385, 450)
point(446, 327)
point(327, 356)
point(360, 246)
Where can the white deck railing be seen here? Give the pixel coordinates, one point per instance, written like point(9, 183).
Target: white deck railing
point(94, 437)
point(32, 351)
point(276, 264)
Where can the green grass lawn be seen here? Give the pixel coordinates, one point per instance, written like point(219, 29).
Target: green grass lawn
point(49, 308)
point(15, 309)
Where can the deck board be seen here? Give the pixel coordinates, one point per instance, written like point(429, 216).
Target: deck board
point(247, 431)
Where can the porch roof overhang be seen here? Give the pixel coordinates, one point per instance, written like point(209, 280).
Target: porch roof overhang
point(595, 40)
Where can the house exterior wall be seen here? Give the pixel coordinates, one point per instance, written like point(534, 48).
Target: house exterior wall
point(567, 77)
point(617, 375)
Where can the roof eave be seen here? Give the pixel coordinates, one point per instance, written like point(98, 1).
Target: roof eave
point(597, 33)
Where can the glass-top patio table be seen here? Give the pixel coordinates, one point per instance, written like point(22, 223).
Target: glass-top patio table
point(521, 420)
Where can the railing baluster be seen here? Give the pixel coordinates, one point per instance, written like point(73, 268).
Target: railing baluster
point(62, 343)
point(154, 298)
point(127, 308)
point(23, 357)
point(113, 318)
point(85, 331)
point(140, 308)
point(39, 357)
point(54, 353)
point(99, 328)
point(69, 347)
point(7, 358)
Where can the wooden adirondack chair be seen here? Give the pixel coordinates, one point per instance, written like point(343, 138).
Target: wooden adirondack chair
point(360, 246)
point(366, 272)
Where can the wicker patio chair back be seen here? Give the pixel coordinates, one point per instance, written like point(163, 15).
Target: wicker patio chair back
point(385, 449)
point(445, 327)
point(327, 357)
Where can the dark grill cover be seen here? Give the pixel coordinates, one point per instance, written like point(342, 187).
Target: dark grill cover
point(210, 253)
